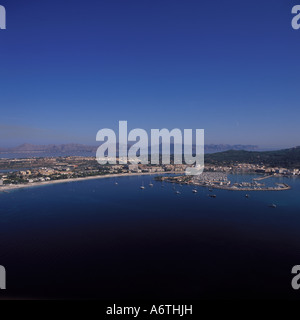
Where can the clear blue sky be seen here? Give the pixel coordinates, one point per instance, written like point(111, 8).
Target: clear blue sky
point(69, 68)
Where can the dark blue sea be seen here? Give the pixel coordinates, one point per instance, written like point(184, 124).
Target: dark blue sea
point(98, 239)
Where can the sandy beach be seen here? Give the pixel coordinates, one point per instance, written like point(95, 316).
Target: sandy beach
point(6, 188)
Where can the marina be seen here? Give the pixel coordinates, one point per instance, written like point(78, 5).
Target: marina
point(219, 180)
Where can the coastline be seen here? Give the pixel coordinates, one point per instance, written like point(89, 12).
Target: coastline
point(230, 188)
point(7, 188)
point(287, 187)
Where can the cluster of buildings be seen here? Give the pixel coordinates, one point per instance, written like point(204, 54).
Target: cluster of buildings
point(46, 169)
point(155, 168)
point(252, 168)
point(76, 168)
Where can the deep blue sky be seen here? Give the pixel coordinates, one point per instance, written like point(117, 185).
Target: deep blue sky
point(69, 68)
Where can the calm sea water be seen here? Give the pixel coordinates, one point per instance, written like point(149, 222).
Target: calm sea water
point(27, 155)
point(96, 239)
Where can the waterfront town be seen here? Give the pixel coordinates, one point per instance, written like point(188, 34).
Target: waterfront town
point(36, 170)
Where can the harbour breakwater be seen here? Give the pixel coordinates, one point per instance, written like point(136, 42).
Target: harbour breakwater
point(225, 185)
point(234, 188)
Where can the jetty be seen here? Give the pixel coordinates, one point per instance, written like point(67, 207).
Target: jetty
point(264, 177)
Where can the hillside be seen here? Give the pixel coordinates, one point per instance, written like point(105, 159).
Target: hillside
point(288, 158)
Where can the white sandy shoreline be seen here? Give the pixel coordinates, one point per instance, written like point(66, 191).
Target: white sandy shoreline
point(6, 188)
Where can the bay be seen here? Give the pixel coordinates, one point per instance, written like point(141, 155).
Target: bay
point(98, 239)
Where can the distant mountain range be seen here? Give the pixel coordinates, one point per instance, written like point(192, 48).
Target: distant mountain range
point(50, 148)
point(212, 148)
point(219, 154)
point(72, 147)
